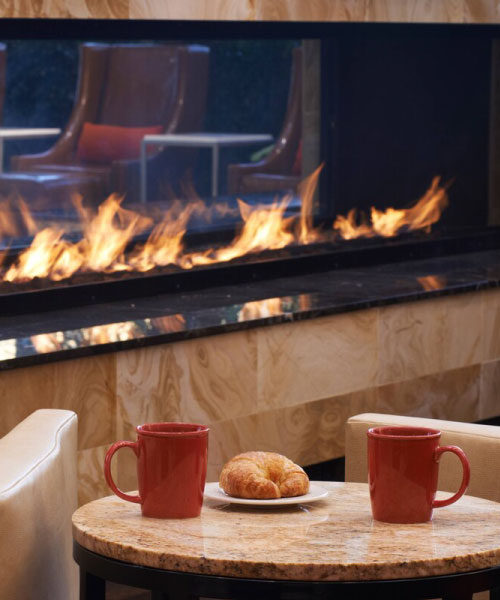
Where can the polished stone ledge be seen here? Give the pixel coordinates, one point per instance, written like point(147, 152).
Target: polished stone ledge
point(76, 332)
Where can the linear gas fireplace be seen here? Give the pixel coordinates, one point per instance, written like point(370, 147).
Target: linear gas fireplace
point(151, 157)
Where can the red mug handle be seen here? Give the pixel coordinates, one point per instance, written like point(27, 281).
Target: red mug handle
point(107, 470)
point(465, 478)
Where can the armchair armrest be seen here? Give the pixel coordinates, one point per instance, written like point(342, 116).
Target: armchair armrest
point(236, 172)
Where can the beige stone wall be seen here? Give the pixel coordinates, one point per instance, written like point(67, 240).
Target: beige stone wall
point(287, 388)
point(447, 11)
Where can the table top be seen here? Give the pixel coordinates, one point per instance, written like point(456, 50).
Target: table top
point(334, 539)
point(8, 133)
point(207, 139)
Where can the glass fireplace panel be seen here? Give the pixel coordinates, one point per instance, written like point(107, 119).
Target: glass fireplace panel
point(181, 149)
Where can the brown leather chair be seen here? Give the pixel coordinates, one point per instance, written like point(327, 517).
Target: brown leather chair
point(3, 70)
point(136, 85)
point(274, 172)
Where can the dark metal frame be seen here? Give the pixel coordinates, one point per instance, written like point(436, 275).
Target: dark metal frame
point(95, 570)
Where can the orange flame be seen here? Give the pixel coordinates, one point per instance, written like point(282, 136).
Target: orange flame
point(107, 232)
point(390, 222)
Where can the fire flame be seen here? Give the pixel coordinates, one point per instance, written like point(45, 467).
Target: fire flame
point(107, 232)
point(390, 222)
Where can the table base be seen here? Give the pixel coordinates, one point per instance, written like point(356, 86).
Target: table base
point(95, 570)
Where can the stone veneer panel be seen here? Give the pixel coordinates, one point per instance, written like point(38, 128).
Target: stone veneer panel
point(79, 9)
point(491, 324)
point(420, 338)
point(190, 9)
point(201, 381)
point(317, 358)
point(308, 433)
point(444, 11)
point(450, 395)
point(86, 386)
point(313, 432)
point(91, 482)
point(481, 11)
point(147, 388)
point(489, 405)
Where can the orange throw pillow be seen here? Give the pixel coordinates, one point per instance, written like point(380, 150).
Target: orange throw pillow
point(106, 143)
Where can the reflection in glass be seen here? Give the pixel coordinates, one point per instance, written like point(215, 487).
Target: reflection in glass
point(271, 307)
point(432, 282)
point(106, 334)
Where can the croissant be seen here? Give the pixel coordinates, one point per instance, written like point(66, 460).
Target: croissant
point(263, 475)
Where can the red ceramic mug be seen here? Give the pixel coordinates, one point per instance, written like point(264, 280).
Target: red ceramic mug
point(171, 469)
point(403, 466)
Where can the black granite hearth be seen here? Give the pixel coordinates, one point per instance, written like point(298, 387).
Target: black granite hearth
point(50, 336)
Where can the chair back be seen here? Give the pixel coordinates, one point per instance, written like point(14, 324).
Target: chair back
point(136, 85)
point(3, 75)
point(140, 85)
point(38, 495)
point(481, 443)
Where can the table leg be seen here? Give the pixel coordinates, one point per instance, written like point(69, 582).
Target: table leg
point(1, 155)
point(91, 587)
point(143, 173)
point(495, 594)
point(215, 170)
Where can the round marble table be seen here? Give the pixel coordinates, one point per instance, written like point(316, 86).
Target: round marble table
point(332, 546)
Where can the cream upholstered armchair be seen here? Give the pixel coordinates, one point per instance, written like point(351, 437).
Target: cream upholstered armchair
point(481, 443)
point(38, 494)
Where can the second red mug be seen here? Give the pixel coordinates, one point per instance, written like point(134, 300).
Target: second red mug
point(171, 469)
point(403, 468)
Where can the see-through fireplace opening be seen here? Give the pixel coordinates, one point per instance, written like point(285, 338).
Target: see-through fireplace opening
point(378, 143)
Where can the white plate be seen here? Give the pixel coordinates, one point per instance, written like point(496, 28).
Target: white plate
point(213, 492)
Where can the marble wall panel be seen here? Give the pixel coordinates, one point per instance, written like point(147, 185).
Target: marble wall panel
point(80, 9)
point(147, 388)
point(455, 11)
point(452, 395)
point(491, 324)
point(313, 432)
point(489, 404)
point(91, 482)
point(85, 386)
point(421, 338)
point(308, 433)
point(312, 10)
point(481, 11)
point(201, 381)
point(190, 9)
point(218, 376)
point(316, 359)
point(416, 11)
